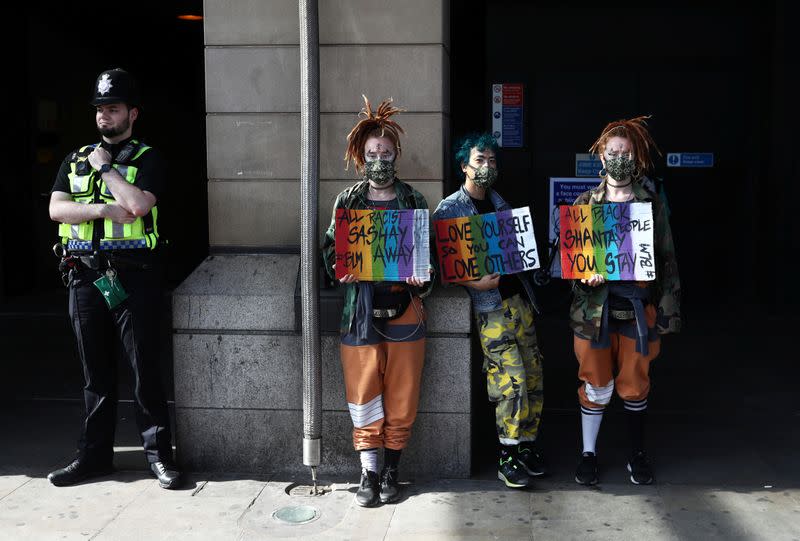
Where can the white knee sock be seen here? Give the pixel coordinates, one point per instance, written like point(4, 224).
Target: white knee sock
point(369, 459)
point(590, 424)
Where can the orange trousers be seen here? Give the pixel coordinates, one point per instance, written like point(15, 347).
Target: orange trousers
point(598, 366)
point(382, 380)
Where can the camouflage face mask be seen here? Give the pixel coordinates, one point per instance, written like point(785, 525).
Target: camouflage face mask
point(620, 167)
point(379, 172)
point(485, 176)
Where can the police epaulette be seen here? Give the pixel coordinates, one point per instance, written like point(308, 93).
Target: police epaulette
point(79, 157)
point(82, 152)
point(127, 152)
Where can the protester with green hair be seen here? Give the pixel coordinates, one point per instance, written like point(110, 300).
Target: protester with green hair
point(504, 309)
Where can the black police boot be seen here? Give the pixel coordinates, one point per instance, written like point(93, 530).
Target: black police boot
point(390, 488)
point(367, 495)
point(167, 474)
point(78, 470)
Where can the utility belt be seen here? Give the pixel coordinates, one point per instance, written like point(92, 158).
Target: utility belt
point(104, 260)
point(72, 262)
point(106, 264)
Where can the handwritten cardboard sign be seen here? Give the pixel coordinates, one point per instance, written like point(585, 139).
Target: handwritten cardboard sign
point(473, 246)
point(615, 240)
point(382, 245)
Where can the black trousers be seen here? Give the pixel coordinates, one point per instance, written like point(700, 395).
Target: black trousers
point(133, 327)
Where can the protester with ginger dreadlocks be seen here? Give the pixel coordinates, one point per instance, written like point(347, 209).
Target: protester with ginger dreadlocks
point(381, 358)
point(611, 351)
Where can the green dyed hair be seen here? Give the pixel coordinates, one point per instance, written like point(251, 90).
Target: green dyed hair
point(479, 141)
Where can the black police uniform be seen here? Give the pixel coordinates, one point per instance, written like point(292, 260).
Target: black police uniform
point(131, 327)
point(134, 325)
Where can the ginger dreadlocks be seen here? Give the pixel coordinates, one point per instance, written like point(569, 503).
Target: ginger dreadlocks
point(634, 130)
point(372, 124)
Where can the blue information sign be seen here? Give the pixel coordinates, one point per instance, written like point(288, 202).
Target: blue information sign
point(690, 159)
point(587, 165)
point(512, 126)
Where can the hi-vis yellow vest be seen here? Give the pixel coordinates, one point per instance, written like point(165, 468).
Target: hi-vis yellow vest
point(87, 186)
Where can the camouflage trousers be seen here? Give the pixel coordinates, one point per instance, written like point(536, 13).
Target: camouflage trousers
point(513, 366)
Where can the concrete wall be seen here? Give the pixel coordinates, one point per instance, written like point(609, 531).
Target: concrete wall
point(379, 48)
point(238, 374)
point(237, 345)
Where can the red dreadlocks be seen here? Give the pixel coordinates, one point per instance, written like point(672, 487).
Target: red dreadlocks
point(377, 124)
point(635, 131)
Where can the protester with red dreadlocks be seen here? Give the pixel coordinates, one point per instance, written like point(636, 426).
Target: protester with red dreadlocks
point(383, 323)
point(617, 324)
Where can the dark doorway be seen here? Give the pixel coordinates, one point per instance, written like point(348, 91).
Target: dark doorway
point(60, 50)
point(714, 77)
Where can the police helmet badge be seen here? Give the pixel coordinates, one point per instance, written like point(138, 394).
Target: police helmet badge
point(104, 84)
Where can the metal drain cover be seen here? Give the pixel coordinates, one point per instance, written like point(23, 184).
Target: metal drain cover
point(296, 514)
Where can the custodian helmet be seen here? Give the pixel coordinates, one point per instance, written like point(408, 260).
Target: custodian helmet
point(115, 86)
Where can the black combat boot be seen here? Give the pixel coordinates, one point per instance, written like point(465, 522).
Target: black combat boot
point(367, 495)
point(390, 488)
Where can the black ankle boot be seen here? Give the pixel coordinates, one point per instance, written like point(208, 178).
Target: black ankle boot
point(390, 489)
point(367, 495)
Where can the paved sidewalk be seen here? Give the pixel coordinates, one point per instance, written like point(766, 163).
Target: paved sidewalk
point(730, 481)
point(130, 505)
point(724, 437)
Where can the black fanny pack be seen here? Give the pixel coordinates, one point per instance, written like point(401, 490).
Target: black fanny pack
point(390, 304)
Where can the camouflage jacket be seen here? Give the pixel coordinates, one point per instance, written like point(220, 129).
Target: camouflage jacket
point(587, 304)
point(355, 197)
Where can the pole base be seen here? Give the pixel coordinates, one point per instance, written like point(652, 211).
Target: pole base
point(312, 451)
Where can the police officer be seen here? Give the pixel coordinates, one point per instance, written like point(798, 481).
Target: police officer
point(106, 199)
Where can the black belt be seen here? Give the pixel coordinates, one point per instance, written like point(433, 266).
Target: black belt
point(623, 315)
point(100, 260)
point(385, 312)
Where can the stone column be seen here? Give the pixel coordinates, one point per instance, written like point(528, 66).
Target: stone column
point(237, 342)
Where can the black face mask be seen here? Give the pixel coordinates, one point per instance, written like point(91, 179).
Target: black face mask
point(379, 172)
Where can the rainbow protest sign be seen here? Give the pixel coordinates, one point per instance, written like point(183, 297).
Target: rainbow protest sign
point(615, 240)
point(474, 246)
point(382, 245)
